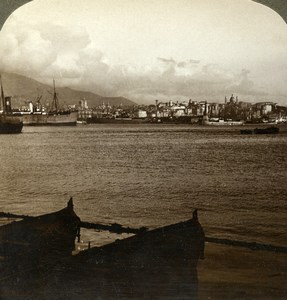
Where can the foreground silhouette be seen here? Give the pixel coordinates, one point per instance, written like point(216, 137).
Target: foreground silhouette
point(37, 261)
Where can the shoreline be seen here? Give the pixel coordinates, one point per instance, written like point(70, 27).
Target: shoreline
point(230, 272)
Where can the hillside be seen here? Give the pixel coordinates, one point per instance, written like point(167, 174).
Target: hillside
point(23, 89)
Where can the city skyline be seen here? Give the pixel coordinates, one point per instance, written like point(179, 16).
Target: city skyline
point(146, 51)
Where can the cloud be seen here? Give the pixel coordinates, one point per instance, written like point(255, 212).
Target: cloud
point(70, 56)
point(243, 84)
point(178, 82)
point(180, 64)
point(21, 52)
point(43, 51)
point(166, 61)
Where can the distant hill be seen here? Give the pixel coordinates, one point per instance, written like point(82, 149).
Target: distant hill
point(23, 89)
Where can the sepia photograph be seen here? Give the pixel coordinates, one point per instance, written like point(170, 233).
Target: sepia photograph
point(143, 149)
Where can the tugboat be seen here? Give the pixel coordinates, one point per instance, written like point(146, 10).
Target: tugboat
point(9, 123)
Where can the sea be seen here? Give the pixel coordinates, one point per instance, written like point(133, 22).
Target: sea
point(151, 175)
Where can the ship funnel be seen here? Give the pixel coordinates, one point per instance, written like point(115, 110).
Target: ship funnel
point(8, 107)
point(31, 106)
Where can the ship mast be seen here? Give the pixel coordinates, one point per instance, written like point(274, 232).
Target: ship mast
point(55, 103)
point(2, 95)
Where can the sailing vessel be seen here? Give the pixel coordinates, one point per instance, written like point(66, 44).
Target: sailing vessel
point(8, 122)
point(54, 117)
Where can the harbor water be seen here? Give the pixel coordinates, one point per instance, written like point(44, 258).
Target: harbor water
point(151, 175)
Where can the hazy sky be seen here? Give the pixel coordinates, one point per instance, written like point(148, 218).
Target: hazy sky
point(147, 50)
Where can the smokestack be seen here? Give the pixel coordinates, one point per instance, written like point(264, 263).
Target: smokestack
point(156, 104)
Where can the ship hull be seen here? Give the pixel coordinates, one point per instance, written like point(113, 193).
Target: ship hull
point(268, 130)
point(95, 120)
point(11, 128)
point(67, 119)
point(223, 123)
point(10, 125)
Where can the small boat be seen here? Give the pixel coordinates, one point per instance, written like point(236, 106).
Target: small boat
point(154, 264)
point(268, 130)
point(9, 123)
point(30, 248)
point(35, 253)
point(37, 239)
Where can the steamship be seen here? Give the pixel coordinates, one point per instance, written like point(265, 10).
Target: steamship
point(8, 122)
point(37, 116)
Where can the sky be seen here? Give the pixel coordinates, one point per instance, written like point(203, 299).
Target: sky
point(146, 50)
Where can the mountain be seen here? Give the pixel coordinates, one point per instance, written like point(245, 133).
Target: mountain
point(23, 89)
